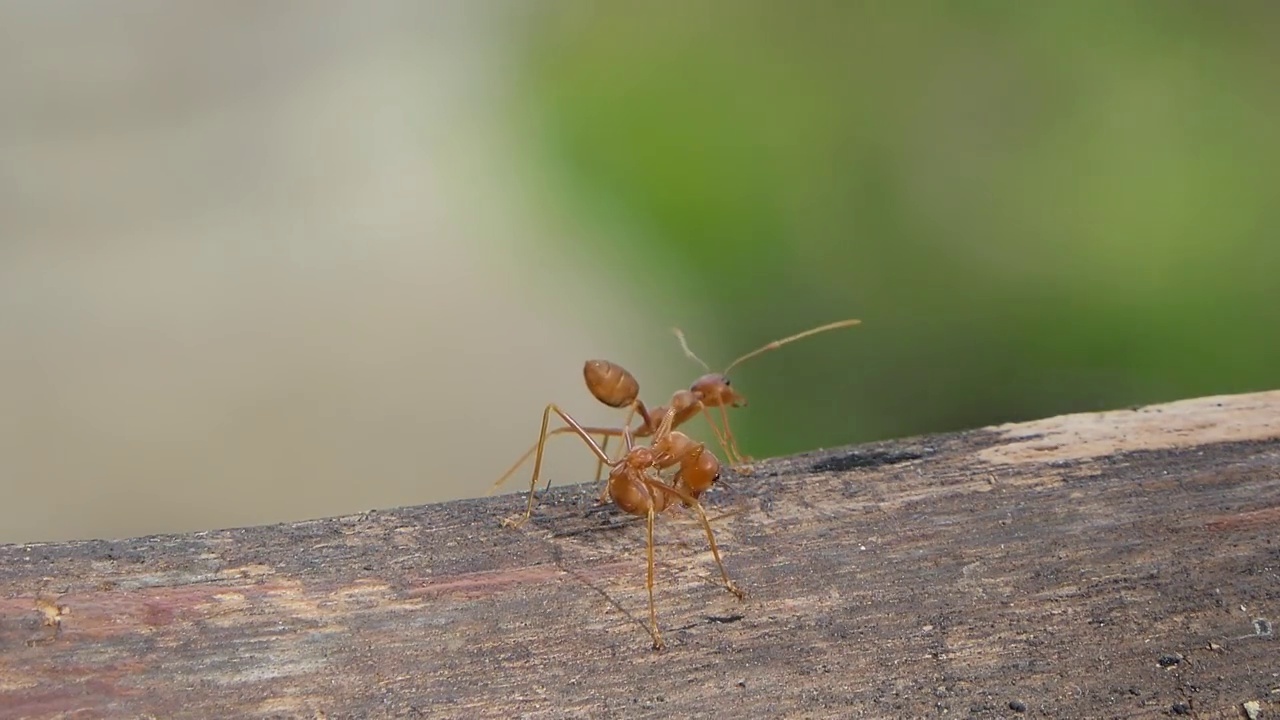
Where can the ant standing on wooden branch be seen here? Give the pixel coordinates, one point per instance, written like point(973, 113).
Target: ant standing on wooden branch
point(635, 484)
point(636, 491)
point(615, 386)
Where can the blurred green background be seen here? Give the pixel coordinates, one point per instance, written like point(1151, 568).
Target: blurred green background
point(1036, 208)
point(274, 261)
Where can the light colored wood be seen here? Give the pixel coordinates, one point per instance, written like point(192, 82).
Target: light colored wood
point(1122, 564)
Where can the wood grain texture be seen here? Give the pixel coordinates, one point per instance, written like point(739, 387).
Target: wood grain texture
point(1122, 564)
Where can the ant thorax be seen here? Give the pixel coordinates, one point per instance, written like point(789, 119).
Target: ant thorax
point(640, 458)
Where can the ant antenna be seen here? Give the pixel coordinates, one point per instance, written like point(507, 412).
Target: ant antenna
point(687, 352)
point(779, 343)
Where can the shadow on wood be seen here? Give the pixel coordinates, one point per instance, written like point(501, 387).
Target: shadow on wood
point(1119, 564)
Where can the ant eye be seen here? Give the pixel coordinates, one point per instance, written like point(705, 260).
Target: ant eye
point(726, 382)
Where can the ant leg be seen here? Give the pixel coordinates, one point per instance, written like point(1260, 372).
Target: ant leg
point(604, 489)
point(715, 552)
point(658, 644)
point(516, 466)
point(600, 463)
point(724, 417)
point(691, 501)
point(631, 412)
point(720, 437)
point(604, 432)
point(542, 441)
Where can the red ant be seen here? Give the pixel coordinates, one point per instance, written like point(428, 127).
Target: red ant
point(615, 386)
point(636, 491)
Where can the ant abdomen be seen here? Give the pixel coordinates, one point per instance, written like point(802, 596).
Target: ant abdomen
point(697, 475)
point(610, 383)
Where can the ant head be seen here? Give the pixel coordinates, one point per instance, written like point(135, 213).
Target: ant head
point(714, 391)
point(610, 383)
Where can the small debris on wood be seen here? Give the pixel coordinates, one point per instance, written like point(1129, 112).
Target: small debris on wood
point(724, 619)
point(52, 612)
point(863, 459)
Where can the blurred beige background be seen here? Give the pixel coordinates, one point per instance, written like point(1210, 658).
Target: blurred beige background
point(272, 261)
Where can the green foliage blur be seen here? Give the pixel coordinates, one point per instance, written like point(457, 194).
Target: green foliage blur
point(1035, 208)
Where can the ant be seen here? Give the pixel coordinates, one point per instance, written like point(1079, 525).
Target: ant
point(637, 489)
point(615, 386)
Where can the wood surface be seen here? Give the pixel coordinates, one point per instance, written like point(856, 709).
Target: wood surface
point(1122, 564)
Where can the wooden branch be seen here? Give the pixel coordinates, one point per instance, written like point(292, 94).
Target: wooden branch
point(1121, 564)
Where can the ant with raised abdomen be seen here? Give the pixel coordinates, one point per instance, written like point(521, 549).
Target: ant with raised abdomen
point(636, 488)
point(615, 386)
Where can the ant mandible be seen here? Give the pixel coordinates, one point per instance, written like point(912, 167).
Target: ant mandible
point(636, 491)
point(615, 386)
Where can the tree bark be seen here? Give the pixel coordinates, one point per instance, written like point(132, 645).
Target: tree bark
point(1120, 564)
